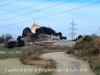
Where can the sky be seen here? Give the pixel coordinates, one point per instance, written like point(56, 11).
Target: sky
point(56, 14)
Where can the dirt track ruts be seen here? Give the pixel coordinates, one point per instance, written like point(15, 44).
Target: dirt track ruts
point(66, 63)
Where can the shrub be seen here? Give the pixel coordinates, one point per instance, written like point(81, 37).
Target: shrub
point(11, 44)
point(87, 38)
point(21, 43)
point(19, 38)
point(62, 38)
point(69, 52)
point(34, 37)
point(88, 45)
point(26, 31)
point(2, 39)
point(5, 38)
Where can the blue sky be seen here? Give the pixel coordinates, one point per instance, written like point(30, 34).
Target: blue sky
point(87, 18)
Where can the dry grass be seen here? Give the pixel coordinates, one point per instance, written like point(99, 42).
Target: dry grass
point(69, 52)
point(95, 64)
point(50, 48)
point(97, 43)
point(29, 57)
point(43, 63)
point(44, 44)
point(88, 49)
point(15, 63)
point(45, 73)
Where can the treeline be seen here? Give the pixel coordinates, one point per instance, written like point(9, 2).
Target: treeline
point(19, 42)
point(42, 30)
point(77, 38)
point(9, 41)
point(5, 38)
point(12, 44)
point(49, 31)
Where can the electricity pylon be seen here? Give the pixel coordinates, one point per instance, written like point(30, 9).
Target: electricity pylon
point(72, 30)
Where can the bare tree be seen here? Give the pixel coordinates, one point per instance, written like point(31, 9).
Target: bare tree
point(8, 37)
point(5, 38)
point(2, 38)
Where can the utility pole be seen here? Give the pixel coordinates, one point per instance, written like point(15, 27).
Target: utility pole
point(72, 30)
point(99, 31)
point(15, 36)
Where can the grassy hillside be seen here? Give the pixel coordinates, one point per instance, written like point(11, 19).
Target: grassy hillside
point(88, 48)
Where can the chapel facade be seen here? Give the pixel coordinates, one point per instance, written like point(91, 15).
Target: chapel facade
point(34, 27)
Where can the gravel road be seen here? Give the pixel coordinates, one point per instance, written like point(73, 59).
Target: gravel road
point(64, 43)
point(69, 65)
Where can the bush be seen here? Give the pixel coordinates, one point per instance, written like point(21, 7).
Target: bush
point(34, 37)
point(19, 38)
point(88, 46)
point(62, 38)
point(87, 38)
point(5, 38)
point(26, 31)
point(11, 44)
point(45, 30)
point(69, 52)
point(2, 39)
point(21, 43)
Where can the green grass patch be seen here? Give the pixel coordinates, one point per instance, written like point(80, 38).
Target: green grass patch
point(9, 55)
point(13, 52)
point(37, 58)
point(15, 63)
point(45, 73)
point(12, 49)
point(95, 64)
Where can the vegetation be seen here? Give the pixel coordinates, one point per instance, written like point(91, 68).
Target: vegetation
point(45, 73)
point(15, 63)
point(10, 53)
point(45, 30)
point(78, 38)
point(34, 37)
point(61, 37)
point(26, 31)
point(49, 31)
point(88, 48)
point(21, 43)
point(19, 38)
point(11, 44)
point(32, 58)
point(95, 64)
point(5, 38)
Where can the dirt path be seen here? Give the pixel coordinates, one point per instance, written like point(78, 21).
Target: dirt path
point(69, 65)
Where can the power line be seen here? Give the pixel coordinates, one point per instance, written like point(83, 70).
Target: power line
point(88, 25)
point(36, 10)
point(85, 30)
point(25, 7)
point(2, 0)
point(52, 14)
point(9, 3)
point(99, 31)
